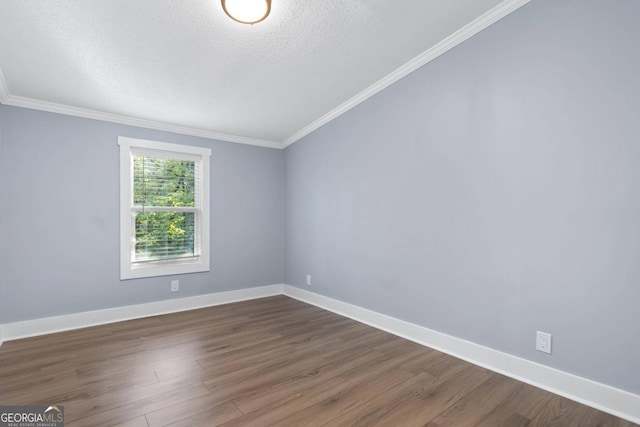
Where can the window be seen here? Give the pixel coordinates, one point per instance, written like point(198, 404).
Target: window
point(164, 208)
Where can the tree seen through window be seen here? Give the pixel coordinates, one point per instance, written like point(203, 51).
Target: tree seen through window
point(158, 186)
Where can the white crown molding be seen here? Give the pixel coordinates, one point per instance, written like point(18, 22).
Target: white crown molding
point(50, 325)
point(52, 107)
point(464, 33)
point(19, 101)
point(596, 395)
point(4, 89)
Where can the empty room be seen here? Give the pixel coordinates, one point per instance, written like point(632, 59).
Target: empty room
point(319, 213)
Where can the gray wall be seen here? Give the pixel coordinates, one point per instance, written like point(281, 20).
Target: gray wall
point(59, 251)
point(492, 193)
point(2, 226)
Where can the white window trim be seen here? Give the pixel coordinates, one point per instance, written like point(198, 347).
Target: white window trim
point(161, 268)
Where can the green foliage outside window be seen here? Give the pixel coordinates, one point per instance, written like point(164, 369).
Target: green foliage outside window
point(159, 182)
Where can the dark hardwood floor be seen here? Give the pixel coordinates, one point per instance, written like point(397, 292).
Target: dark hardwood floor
point(273, 361)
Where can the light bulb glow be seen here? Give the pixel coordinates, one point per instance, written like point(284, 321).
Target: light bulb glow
point(247, 11)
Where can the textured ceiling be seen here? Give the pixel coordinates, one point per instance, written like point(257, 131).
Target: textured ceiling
point(185, 63)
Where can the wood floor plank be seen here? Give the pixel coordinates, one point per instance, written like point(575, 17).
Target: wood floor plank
point(595, 418)
point(424, 360)
point(306, 341)
point(442, 368)
point(416, 405)
point(396, 345)
point(291, 404)
point(519, 409)
point(346, 400)
point(475, 404)
point(261, 397)
point(238, 387)
point(361, 375)
point(96, 402)
point(230, 372)
point(175, 368)
point(270, 361)
point(130, 406)
point(560, 412)
point(201, 409)
point(370, 412)
point(367, 342)
point(140, 421)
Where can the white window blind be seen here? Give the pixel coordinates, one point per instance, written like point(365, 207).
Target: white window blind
point(167, 208)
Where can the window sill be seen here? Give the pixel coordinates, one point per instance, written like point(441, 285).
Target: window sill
point(163, 269)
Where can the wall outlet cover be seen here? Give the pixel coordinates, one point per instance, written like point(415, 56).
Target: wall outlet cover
point(543, 342)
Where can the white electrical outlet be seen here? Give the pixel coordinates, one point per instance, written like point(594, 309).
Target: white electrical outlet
point(175, 285)
point(543, 342)
point(308, 280)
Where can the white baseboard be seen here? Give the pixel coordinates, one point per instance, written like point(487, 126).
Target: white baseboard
point(49, 325)
point(600, 396)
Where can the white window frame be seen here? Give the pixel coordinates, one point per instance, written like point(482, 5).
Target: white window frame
point(200, 263)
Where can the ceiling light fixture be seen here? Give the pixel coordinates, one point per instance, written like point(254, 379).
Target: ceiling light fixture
point(247, 11)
